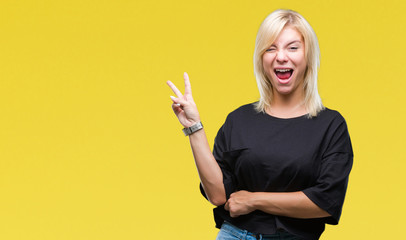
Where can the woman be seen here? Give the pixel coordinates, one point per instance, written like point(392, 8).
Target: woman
point(280, 166)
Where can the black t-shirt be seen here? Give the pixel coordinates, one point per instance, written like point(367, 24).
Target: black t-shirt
point(261, 153)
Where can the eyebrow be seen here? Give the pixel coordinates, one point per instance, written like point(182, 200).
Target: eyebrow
point(292, 42)
point(295, 41)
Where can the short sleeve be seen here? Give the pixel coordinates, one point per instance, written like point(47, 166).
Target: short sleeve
point(225, 159)
point(331, 184)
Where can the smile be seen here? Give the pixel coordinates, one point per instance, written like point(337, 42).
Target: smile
point(283, 73)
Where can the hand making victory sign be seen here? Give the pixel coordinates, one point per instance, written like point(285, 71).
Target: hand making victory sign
point(209, 171)
point(183, 106)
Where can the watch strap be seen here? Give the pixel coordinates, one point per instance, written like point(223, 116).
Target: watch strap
point(194, 128)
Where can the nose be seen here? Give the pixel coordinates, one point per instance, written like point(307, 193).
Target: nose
point(281, 56)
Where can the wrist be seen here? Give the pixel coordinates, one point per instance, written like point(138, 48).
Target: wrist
point(254, 201)
point(193, 128)
point(191, 123)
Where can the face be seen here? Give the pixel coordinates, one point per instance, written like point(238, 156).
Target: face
point(285, 64)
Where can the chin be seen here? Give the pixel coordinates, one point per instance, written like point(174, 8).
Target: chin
point(284, 92)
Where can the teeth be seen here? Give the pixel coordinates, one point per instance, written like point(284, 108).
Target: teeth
point(282, 70)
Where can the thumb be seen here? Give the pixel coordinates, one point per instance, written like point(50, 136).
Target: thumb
point(226, 206)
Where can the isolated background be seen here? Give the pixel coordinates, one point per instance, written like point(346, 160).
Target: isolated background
point(90, 148)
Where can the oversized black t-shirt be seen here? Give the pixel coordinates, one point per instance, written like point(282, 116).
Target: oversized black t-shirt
point(261, 153)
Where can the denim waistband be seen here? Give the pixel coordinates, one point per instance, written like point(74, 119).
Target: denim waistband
point(246, 235)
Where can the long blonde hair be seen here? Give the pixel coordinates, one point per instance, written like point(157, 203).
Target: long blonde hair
point(269, 30)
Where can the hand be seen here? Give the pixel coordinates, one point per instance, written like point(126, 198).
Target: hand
point(239, 203)
point(183, 106)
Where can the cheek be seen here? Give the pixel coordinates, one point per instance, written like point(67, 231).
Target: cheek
point(299, 59)
point(267, 60)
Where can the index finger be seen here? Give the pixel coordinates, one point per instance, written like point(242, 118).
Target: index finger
point(174, 89)
point(188, 88)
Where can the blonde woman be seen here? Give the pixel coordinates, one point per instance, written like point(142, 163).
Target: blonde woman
point(280, 166)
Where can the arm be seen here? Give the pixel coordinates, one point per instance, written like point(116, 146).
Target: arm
point(289, 204)
point(209, 171)
point(324, 199)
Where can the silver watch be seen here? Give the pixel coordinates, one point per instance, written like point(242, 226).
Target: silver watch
point(194, 128)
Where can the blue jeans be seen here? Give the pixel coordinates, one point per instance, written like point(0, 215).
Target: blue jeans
point(231, 232)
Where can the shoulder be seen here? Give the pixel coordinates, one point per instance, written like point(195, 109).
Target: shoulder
point(334, 123)
point(244, 110)
point(337, 137)
point(240, 116)
point(330, 115)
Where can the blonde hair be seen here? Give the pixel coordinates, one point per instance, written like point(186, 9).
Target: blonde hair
point(269, 30)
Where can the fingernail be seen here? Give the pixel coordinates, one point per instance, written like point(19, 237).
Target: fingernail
point(172, 97)
point(177, 104)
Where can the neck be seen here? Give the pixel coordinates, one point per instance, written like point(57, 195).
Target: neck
point(287, 106)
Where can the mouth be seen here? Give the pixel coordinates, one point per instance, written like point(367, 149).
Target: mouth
point(283, 73)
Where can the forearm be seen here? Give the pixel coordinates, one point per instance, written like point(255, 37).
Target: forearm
point(290, 204)
point(209, 171)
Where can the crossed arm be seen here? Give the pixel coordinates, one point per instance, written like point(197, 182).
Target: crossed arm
point(290, 204)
